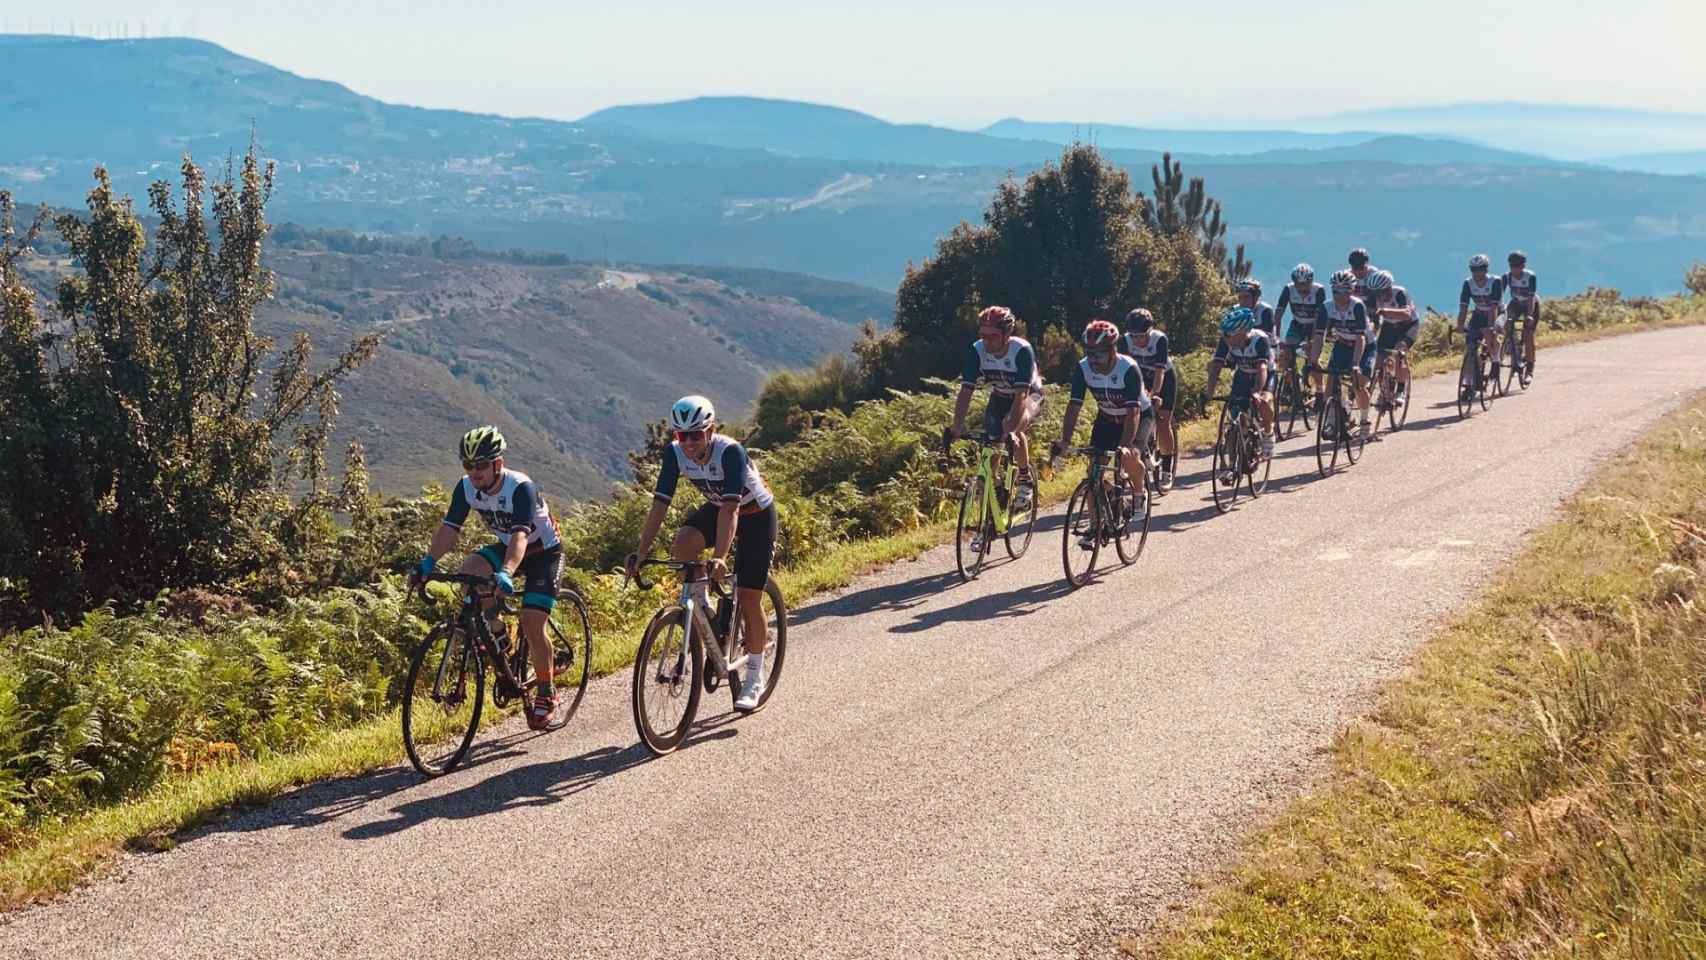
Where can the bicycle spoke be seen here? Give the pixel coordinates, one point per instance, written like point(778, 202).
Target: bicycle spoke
point(442, 701)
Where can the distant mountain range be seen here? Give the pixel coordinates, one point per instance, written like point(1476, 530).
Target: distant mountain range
point(746, 182)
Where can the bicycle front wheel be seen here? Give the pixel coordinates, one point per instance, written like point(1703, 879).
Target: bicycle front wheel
point(1081, 535)
point(1259, 463)
point(570, 631)
point(442, 700)
point(970, 547)
point(1398, 413)
point(666, 681)
point(1488, 384)
point(1466, 386)
point(1223, 473)
point(1133, 506)
point(776, 641)
point(1512, 354)
point(1021, 525)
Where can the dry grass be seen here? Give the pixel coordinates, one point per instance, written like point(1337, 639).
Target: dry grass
point(1536, 785)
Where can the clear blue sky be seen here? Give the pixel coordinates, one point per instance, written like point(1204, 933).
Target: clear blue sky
point(958, 63)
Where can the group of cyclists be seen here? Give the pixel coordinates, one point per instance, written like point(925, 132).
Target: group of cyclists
point(1369, 319)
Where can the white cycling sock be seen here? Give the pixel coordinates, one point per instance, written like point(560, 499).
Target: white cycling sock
point(755, 664)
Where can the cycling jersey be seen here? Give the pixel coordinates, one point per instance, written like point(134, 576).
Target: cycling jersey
point(1401, 299)
point(1359, 288)
point(1522, 285)
point(1152, 354)
point(1305, 307)
point(1266, 318)
point(1014, 372)
point(1118, 392)
point(1346, 323)
point(1486, 295)
point(515, 507)
point(1246, 361)
point(728, 475)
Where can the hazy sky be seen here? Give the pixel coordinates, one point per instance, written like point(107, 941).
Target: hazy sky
point(957, 63)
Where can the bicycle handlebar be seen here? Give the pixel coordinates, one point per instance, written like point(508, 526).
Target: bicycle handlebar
point(686, 566)
point(467, 579)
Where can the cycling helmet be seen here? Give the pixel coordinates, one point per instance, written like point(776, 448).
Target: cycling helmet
point(1379, 280)
point(1343, 281)
point(691, 413)
point(1099, 334)
point(1358, 257)
point(997, 317)
point(1303, 273)
point(1140, 320)
point(1479, 262)
point(1250, 285)
point(482, 445)
point(1517, 258)
point(1237, 319)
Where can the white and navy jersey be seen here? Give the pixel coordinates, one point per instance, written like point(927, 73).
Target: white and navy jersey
point(515, 507)
point(1522, 285)
point(1486, 295)
point(1305, 307)
point(1150, 351)
point(1266, 317)
point(1346, 323)
point(1248, 358)
point(727, 475)
point(1012, 373)
point(1118, 392)
point(1359, 288)
point(1401, 299)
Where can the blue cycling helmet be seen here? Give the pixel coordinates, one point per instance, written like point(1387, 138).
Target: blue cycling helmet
point(1237, 319)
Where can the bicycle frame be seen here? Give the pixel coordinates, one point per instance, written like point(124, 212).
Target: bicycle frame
point(999, 513)
point(696, 601)
point(471, 618)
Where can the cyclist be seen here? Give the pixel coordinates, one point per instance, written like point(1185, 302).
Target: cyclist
point(1250, 296)
point(1486, 293)
point(1009, 364)
point(738, 510)
point(1346, 320)
point(1304, 296)
point(513, 509)
point(1123, 415)
point(1361, 270)
point(1251, 356)
point(1400, 324)
point(1148, 346)
point(1524, 289)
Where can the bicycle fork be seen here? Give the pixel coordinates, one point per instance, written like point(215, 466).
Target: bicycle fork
point(696, 603)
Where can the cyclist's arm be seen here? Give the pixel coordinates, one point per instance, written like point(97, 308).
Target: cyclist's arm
point(1463, 305)
point(1214, 364)
point(1024, 365)
point(669, 475)
point(1265, 352)
point(734, 484)
point(1284, 301)
point(968, 383)
point(1069, 423)
point(444, 538)
point(521, 505)
point(1359, 314)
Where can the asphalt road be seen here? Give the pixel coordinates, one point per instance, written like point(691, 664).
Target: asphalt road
point(995, 769)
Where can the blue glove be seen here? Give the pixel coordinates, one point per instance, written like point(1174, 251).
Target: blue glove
point(425, 567)
point(505, 584)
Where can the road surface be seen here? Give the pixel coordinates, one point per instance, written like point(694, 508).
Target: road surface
point(986, 770)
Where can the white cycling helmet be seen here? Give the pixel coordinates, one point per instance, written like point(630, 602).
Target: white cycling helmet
point(691, 413)
point(1303, 273)
point(1379, 281)
point(1479, 262)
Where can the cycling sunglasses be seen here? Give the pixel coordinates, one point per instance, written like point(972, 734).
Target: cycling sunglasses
point(471, 464)
point(682, 436)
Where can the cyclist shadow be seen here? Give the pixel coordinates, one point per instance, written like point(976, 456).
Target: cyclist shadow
point(539, 784)
point(889, 596)
point(990, 606)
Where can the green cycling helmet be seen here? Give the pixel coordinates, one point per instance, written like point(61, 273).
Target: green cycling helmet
point(482, 445)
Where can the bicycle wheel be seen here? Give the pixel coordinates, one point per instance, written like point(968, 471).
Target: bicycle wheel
point(666, 681)
point(971, 527)
point(570, 632)
point(1488, 383)
point(775, 648)
point(1465, 385)
point(1511, 351)
point(1353, 440)
point(1327, 435)
point(1260, 464)
point(1021, 526)
point(443, 697)
point(1132, 507)
point(1081, 536)
point(1399, 412)
point(1224, 473)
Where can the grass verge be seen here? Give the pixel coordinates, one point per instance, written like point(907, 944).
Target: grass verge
point(62, 854)
point(1535, 786)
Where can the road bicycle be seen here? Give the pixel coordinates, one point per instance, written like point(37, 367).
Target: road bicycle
point(1336, 433)
point(1294, 399)
point(1099, 513)
point(1394, 376)
point(1512, 355)
point(445, 692)
point(694, 646)
point(1475, 376)
point(986, 506)
point(1238, 457)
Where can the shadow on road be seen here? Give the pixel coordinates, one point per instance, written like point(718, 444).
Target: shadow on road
point(990, 606)
point(888, 596)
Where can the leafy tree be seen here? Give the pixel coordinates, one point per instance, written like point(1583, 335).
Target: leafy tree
point(1695, 279)
point(1184, 207)
point(152, 457)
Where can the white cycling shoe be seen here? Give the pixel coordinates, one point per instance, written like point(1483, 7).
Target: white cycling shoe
point(751, 688)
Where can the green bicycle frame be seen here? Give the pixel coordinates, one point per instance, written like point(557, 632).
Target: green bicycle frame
point(1001, 513)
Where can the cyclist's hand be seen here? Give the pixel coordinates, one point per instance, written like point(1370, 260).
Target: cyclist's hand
point(421, 571)
point(718, 568)
point(631, 566)
point(506, 583)
point(1056, 450)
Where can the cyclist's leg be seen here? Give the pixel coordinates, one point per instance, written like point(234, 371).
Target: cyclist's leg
point(1531, 322)
point(755, 543)
point(542, 573)
point(698, 532)
point(1313, 356)
point(483, 563)
point(1030, 405)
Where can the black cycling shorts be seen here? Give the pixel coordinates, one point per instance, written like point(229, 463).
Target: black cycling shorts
point(1000, 405)
point(1168, 398)
point(541, 571)
point(1392, 334)
point(1106, 433)
point(755, 541)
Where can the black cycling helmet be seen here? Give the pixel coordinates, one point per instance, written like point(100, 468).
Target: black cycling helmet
point(1139, 320)
point(1516, 257)
point(482, 445)
point(1358, 257)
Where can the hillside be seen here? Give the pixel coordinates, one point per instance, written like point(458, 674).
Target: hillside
point(570, 361)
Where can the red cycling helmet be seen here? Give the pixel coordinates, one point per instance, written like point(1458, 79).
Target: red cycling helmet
point(997, 317)
point(1100, 333)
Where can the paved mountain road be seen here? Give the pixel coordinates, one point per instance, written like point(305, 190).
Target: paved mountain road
point(993, 769)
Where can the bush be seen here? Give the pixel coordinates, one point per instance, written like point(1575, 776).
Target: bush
point(1695, 279)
